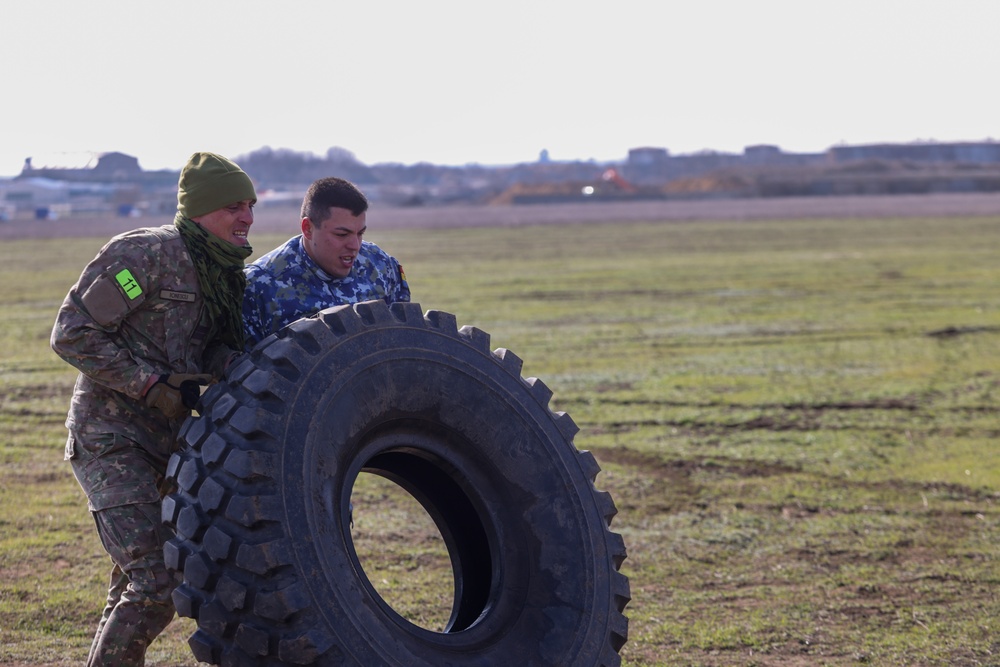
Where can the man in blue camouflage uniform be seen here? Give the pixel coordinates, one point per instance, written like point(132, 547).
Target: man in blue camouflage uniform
point(327, 265)
point(152, 318)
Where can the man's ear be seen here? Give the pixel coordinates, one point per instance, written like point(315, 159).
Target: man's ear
point(307, 228)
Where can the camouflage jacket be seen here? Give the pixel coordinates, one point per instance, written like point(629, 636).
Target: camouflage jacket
point(136, 311)
point(286, 284)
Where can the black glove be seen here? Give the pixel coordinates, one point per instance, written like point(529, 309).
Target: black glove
point(173, 394)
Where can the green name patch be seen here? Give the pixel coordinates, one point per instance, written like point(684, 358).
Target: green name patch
point(128, 283)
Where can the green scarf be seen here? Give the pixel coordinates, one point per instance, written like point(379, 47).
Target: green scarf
point(220, 274)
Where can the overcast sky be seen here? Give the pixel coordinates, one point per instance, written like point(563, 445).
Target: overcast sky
point(462, 81)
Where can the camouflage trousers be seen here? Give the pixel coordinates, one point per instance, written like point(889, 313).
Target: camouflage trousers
point(121, 483)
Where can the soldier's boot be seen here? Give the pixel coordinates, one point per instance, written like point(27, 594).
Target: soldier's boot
point(115, 589)
point(135, 621)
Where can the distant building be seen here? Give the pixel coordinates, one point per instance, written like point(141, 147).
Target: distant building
point(109, 168)
point(761, 153)
point(965, 152)
point(647, 157)
point(48, 198)
point(88, 183)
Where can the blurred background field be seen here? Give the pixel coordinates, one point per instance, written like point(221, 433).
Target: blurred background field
point(796, 418)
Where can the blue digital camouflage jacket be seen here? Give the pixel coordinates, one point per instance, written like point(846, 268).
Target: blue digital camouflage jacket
point(286, 284)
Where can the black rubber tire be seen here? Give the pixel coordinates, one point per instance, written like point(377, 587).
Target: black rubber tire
point(262, 488)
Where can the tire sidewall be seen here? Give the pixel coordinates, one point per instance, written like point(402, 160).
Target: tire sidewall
point(515, 465)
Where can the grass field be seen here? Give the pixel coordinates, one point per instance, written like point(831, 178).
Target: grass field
point(797, 420)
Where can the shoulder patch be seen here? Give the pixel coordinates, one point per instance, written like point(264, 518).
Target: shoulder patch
point(106, 299)
point(128, 284)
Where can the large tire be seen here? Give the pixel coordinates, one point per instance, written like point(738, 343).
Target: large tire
point(260, 506)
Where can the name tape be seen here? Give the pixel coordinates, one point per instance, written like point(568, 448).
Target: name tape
point(176, 296)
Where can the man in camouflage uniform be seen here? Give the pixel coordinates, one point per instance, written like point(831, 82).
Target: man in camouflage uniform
point(327, 265)
point(152, 318)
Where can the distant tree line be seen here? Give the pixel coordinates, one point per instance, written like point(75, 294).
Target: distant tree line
point(283, 167)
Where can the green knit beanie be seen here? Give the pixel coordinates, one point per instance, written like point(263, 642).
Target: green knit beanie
point(209, 182)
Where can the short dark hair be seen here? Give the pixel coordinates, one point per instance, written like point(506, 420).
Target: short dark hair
point(332, 192)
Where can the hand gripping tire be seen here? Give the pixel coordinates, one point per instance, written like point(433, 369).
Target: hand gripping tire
point(262, 489)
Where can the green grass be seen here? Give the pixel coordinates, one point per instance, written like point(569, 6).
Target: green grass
point(797, 420)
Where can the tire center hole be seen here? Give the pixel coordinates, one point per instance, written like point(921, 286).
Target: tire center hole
point(402, 552)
